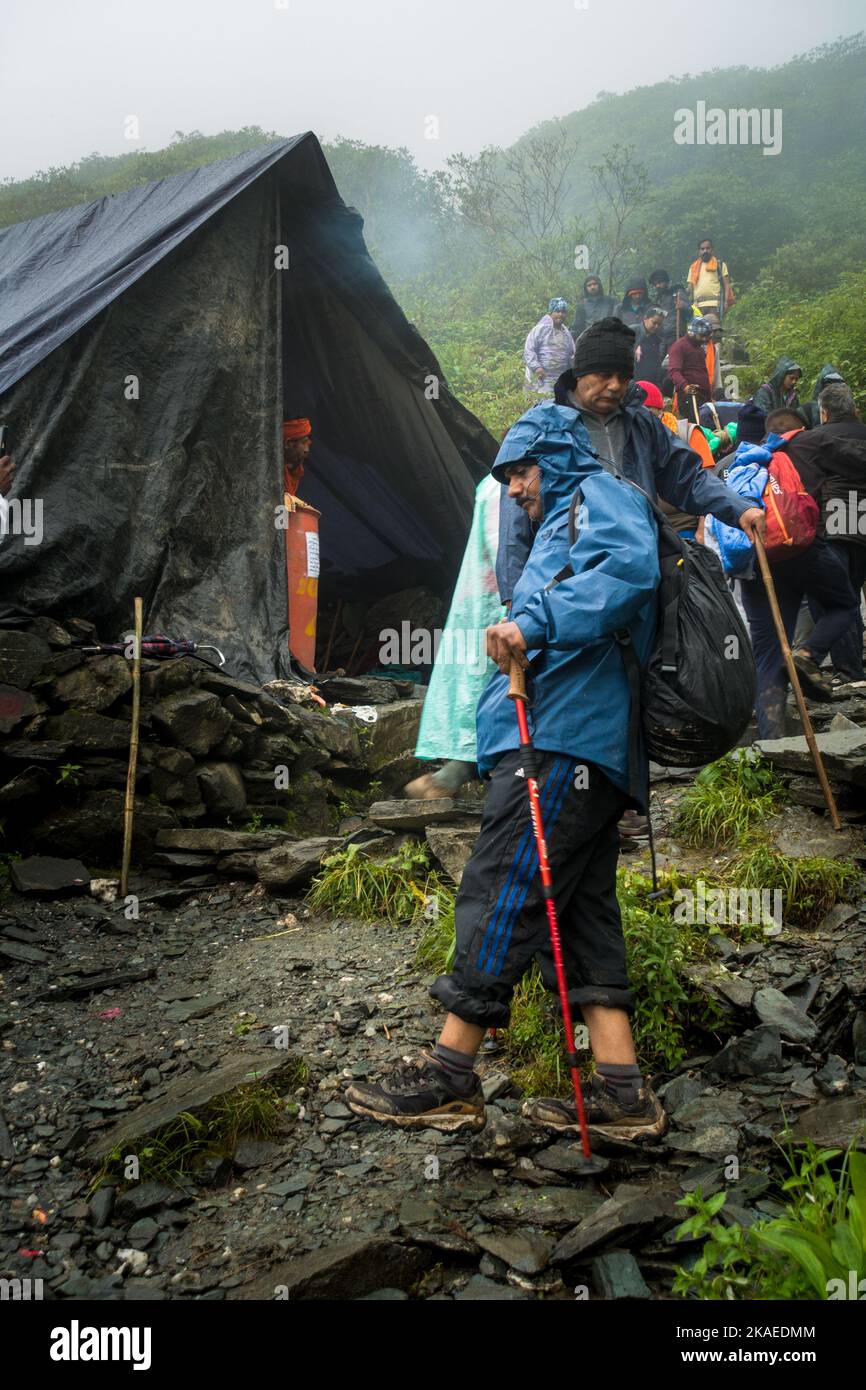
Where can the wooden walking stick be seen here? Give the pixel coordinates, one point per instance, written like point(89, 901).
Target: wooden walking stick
point(795, 684)
point(129, 800)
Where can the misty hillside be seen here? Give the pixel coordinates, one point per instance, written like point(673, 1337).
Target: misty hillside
point(474, 275)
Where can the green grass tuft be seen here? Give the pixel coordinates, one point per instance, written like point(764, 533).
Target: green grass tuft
point(173, 1153)
point(726, 801)
point(809, 887)
point(401, 888)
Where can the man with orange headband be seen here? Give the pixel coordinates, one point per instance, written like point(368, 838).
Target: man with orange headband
point(297, 438)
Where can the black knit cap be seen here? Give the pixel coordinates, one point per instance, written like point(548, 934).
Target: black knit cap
point(607, 346)
point(751, 424)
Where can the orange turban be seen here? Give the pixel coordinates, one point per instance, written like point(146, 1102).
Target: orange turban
point(296, 429)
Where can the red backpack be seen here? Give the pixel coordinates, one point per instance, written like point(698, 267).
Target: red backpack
point(792, 514)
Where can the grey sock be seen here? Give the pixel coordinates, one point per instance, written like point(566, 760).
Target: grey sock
point(459, 1067)
point(622, 1080)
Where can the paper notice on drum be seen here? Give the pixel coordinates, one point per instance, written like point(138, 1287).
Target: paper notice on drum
point(312, 554)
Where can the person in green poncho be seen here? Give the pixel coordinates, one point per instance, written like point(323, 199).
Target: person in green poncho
point(462, 668)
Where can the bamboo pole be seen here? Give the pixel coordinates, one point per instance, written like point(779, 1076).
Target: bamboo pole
point(129, 800)
point(795, 685)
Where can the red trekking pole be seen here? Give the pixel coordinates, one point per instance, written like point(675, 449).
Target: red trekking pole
point(517, 693)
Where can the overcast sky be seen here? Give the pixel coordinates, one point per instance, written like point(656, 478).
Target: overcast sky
point(73, 71)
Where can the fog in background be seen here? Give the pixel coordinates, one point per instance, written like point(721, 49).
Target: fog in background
point(373, 70)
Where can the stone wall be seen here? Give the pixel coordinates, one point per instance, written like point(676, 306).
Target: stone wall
point(215, 752)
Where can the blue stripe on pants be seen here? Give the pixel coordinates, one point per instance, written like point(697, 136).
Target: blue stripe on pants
point(549, 820)
point(511, 898)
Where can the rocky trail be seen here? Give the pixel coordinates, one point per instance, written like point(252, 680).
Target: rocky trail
point(173, 1066)
point(112, 1028)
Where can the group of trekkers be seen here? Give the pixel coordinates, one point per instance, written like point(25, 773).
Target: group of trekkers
point(569, 593)
point(663, 315)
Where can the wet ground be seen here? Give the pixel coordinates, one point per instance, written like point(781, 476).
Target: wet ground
point(336, 1205)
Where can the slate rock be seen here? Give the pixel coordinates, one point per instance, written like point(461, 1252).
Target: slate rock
point(50, 632)
point(143, 1233)
point(101, 1206)
point(15, 705)
point(562, 1158)
point(526, 1251)
point(712, 1107)
point(347, 1269)
point(23, 657)
point(843, 752)
point(634, 1220)
point(334, 735)
point(752, 1054)
point(31, 786)
point(480, 1289)
point(776, 1010)
point(838, 915)
point(256, 1153)
point(294, 862)
point(394, 732)
point(222, 788)
point(680, 1092)
point(298, 1183)
point(710, 1141)
point(452, 846)
point(617, 1275)
point(211, 840)
point(858, 1035)
point(50, 878)
point(552, 1208)
point(18, 950)
point(358, 690)
point(835, 1123)
point(411, 813)
point(193, 1091)
point(194, 719)
point(503, 1137)
point(94, 827)
point(735, 990)
point(144, 1197)
point(194, 1008)
point(494, 1085)
point(95, 685)
point(88, 732)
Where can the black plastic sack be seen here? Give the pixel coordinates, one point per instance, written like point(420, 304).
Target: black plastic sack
point(698, 690)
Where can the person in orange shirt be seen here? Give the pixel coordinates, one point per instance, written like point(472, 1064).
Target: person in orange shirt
point(297, 439)
point(710, 282)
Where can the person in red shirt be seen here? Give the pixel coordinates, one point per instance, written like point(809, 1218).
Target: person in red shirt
point(687, 364)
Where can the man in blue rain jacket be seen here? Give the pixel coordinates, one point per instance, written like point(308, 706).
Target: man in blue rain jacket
point(579, 719)
point(579, 724)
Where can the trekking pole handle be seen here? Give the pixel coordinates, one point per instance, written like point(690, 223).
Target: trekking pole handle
point(517, 681)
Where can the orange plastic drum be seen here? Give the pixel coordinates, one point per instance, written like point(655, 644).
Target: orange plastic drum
point(302, 567)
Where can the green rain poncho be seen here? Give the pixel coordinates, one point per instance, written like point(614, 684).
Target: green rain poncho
point(462, 668)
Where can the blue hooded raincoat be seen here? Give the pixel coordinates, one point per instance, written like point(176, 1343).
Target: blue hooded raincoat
point(579, 690)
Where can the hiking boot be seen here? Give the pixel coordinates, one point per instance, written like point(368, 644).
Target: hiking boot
point(418, 1095)
point(814, 684)
point(633, 825)
point(606, 1116)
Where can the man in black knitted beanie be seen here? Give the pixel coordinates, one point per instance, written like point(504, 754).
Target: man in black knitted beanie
point(603, 367)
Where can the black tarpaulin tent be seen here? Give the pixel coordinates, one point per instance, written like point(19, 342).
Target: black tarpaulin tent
point(151, 344)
